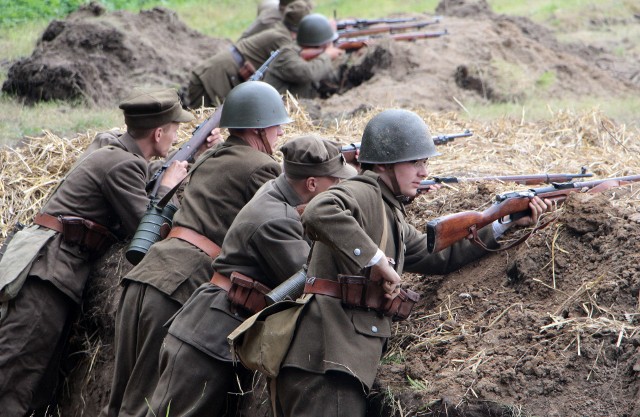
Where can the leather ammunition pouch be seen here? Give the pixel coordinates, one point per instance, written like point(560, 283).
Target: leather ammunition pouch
point(246, 68)
point(357, 291)
point(243, 292)
point(78, 231)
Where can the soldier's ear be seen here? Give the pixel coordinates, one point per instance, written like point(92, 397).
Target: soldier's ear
point(312, 184)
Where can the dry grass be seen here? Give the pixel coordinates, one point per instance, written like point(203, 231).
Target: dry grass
point(564, 143)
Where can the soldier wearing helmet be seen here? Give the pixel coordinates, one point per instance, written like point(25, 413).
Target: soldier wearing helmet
point(363, 244)
point(221, 182)
point(264, 246)
point(290, 71)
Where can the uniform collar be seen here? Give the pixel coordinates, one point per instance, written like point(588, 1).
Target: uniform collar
point(283, 187)
point(387, 194)
point(129, 143)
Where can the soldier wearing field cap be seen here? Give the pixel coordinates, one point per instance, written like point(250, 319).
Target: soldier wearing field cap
point(266, 245)
point(223, 181)
point(101, 200)
point(271, 14)
point(211, 81)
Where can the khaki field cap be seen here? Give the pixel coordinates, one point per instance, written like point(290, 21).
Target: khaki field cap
point(294, 13)
point(312, 156)
point(151, 108)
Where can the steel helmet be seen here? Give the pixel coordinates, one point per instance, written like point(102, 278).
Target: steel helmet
point(315, 30)
point(253, 104)
point(396, 135)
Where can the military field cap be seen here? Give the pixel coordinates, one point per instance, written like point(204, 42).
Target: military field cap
point(151, 108)
point(312, 156)
point(294, 12)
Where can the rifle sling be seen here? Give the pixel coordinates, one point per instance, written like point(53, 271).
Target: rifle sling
point(476, 240)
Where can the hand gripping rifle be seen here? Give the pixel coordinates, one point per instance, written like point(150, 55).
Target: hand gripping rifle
point(447, 230)
point(158, 219)
point(350, 151)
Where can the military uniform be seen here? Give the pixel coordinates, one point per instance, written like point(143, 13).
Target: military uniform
point(333, 358)
point(107, 187)
point(173, 268)
point(266, 243)
point(272, 15)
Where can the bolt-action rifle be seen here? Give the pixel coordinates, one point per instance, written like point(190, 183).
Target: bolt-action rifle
point(531, 179)
point(353, 44)
point(350, 151)
point(200, 135)
point(447, 230)
point(360, 23)
point(385, 28)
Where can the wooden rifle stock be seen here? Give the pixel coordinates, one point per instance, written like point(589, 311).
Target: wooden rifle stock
point(189, 149)
point(447, 230)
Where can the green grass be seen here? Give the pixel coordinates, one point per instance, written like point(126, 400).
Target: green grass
point(22, 22)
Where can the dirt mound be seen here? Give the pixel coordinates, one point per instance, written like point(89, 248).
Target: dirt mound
point(487, 57)
point(99, 56)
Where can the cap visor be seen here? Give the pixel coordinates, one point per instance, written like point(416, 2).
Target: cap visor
point(347, 171)
point(183, 117)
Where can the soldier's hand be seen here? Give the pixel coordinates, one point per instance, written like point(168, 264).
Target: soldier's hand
point(537, 207)
point(174, 174)
point(333, 52)
point(212, 140)
point(390, 278)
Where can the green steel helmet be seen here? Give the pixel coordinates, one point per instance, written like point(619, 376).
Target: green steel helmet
point(315, 30)
point(396, 135)
point(253, 104)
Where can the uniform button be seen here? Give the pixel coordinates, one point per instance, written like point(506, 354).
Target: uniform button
point(374, 329)
point(356, 251)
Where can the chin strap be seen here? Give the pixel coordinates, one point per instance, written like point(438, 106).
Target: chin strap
point(396, 187)
point(265, 142)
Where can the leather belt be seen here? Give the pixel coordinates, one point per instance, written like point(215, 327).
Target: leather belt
point(237, 56)
point(221, 281)
point(323, 287)
point(48, 221)
point(196, 239)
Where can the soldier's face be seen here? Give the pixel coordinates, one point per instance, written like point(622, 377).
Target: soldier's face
point(273, 133)
point(409, 175)
point(168, 136)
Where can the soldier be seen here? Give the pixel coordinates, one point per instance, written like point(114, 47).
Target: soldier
point(223, 181)
point(359, 227)
point(272, 13)
point(265, 244)
point(103, 196)
point(211, 81)
point(290, 71)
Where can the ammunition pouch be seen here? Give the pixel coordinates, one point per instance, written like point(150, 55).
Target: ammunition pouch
point(243, 292)
point(78, 231)
point(357, 291)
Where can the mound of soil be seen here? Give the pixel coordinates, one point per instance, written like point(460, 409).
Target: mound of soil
point(98, 56)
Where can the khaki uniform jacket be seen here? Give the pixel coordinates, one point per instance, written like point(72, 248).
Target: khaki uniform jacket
point(107, 186)
point(265, 242)
point(291, 72)
point(347, 224)
point(219, 74)
point(216, 192)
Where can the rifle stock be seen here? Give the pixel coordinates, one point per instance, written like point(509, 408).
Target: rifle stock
point(199, 137)
point(447, 230)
